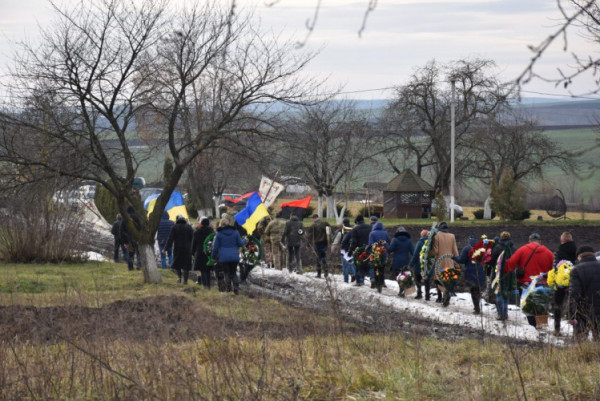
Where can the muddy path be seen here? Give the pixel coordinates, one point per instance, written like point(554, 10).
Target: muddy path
point(366, 311)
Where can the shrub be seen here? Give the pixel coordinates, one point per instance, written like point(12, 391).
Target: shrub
point(440, 209)
point(479, 214)
point(508, 198)
point(35, 229)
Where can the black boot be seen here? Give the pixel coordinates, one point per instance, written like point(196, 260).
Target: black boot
point(319, 273)
point(476, 298)
point(446, 298)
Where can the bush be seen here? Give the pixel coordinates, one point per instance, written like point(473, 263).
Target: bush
point(508, 198)
point(35, 229)
point(440, 209)
point(479, 214)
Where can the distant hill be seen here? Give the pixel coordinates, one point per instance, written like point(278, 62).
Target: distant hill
point(549, 113)
point(567, 113)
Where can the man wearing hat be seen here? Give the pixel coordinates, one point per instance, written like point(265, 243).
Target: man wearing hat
point(530, 260)
point(321, 236)
point(342, 241)
point(584, 295)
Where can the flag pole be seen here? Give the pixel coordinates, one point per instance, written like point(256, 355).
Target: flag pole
point(272, 183)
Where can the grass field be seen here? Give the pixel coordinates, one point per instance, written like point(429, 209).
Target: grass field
point(212, 346)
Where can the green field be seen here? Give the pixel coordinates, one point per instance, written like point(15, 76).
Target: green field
point(586, 183)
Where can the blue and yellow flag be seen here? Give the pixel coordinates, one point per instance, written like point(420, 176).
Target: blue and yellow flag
point(175, 206)
point(251, 215)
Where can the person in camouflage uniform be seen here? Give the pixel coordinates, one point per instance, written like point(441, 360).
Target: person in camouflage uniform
point(274, 232)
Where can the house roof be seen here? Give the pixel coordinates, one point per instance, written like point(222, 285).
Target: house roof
point(408, 181)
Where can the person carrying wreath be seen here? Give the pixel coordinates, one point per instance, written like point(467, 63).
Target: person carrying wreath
point(475, 277)
point(444, 243)
point(403, 249)
point(567, 251)
point(359, 236)
point(530, 260)
point(415, 263)
point(203, 230)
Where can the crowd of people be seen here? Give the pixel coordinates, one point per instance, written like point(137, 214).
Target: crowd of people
point(500, 277)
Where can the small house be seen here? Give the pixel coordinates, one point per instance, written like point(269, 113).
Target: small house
point(407, 196)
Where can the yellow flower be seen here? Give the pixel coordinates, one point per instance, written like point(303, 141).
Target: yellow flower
point(559, 276)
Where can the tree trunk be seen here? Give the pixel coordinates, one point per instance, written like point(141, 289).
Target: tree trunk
point(339, 217)
point(217, 211)
point(487, 209)
point(331, 209)
point(320, 206)
point(149, 267)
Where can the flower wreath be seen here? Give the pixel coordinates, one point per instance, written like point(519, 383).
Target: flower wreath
point(252, 252)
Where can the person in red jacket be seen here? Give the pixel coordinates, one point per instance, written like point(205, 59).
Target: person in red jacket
point(534, 258)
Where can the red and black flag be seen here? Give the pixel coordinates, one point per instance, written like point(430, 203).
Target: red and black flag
point(241, 201)
point(297, 208)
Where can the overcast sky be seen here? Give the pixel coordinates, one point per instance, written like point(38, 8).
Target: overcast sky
point(400, 35)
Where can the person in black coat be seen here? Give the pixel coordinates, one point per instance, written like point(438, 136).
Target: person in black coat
point(292, 238)
point(359, 236)
point(584, 295)
point(127, 238)
point(181, 239)
point(567, 250)
point(474, 274)
point(200, 258)
point(116, 229)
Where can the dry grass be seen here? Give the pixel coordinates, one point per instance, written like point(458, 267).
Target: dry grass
point(289, 355)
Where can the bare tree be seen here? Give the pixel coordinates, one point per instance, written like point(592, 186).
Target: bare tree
point(109, 76)
point(419, 117)
point(509, 142)
point(330, 142)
